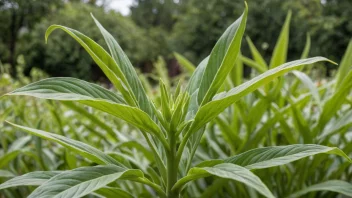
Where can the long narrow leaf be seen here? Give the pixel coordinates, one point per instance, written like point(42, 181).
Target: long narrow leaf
point(186, 64)
point(279, 155)
point(227, 171)
point(345, 65)
point(280, 51)
point(222, 59)
point(70, 89)
point(30, 179)
point(338, 186)
point(223, 100)
point(78, 147)
point(127, 69)
point(101, 57)
point(82, 181)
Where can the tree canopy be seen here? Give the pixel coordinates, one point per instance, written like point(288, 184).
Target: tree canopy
point(161, 27)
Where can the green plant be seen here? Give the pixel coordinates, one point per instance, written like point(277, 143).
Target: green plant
point(172, 130)
point(288, 112)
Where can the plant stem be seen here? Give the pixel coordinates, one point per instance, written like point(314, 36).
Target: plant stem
point(182, 146)
point(151, 184)
point(159, 161)
point(172, 167)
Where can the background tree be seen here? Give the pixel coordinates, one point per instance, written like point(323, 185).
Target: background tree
point(57, 59)
point(18, 17)
point(160, 27)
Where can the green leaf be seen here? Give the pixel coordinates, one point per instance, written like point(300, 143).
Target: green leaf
point(223, 100)
point(236, 74)
point(250, 63)
point(134, 144)
point(280, 51)
point(256, 113)
point(193, 88)
point(109, 192)
point(345, 65)
point(300, 123)
point(101, 57)
point(7, 157)
point(227, 171)
point(165, 100)
point(196, 78)
point(6, 173)
point(82, 181)
point(30, 179)
point(338, 186)
point(85, 150)
point(127, 70)
point(222, 59)
point(256, 55)
point(186, 64)
point(65, 88)
point(70, 89)
point(279, 155)
point(306, 48)
point(93, 119)
point(309, 84)
point(337, 125)
point(334, 103)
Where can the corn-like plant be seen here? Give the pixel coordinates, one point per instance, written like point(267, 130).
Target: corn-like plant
point(172, 130)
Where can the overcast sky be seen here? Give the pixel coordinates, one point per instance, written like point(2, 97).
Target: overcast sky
point(121, 6)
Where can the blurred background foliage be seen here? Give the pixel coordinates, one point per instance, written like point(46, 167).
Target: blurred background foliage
point(156, 28)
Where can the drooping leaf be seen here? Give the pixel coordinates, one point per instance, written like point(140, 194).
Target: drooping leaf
point(227, 171)
point(279, 155)
point(78, 147)
point(102, 58)
point(82, 181)
point(36, 178)
point(223, 100)
point(70, 89)
point(65, 88)
point(222, 59)
point(338, 186)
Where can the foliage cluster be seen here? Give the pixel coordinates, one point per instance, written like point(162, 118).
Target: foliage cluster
point(212, 135)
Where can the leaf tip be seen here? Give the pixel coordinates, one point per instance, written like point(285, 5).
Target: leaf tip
point(91, 14)
point(10, 123)
point(332, 62)
point(48, 32)
point(6, 94)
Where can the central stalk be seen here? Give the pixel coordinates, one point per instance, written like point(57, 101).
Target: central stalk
point(172, 168)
